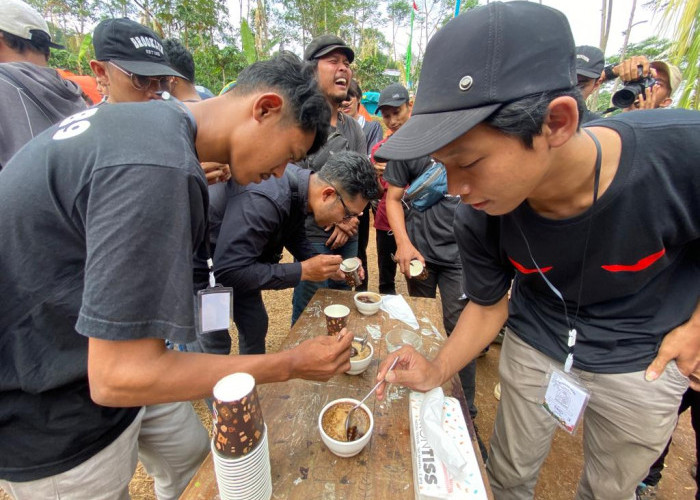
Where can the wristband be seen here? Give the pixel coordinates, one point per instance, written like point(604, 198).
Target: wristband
point(608, 70)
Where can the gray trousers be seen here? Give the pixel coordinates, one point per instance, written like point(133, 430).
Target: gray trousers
point(169, 440)
point(626, 426)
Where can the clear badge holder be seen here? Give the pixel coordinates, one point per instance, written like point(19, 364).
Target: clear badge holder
point(214, 307)
point(564, 398)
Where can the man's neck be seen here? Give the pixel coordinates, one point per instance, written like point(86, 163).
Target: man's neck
point(335, 106)
point(186, 92)
point(567, 189)
point(214, 135)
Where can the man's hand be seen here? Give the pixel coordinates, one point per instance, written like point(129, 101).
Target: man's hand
point(379, 168)
point(644, 101)
point(337, 239)
point(320, 267)
point(216, 172)
point(683, 345)
point(412, 371)
point(349, 226)
point(405, 253)
point(627, 70)
point(322, 357)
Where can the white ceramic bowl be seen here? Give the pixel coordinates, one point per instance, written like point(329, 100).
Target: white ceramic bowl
point(360, 365)
point(368, 308)
point(346, 448)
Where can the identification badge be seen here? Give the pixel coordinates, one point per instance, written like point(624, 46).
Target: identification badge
point(214, 309)
point(565, 399)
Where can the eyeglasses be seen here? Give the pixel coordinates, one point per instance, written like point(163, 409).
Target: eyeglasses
point(348, 213)
point(143, 83)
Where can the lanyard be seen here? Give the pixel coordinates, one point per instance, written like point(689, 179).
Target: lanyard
point(572, 324)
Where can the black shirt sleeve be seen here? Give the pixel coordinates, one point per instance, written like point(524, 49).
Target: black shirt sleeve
point(251, 221)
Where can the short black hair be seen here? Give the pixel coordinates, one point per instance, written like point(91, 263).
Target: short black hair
point(180, 58)
point(353, 173)
point(354, 90)
point(295, 80)
point(39, 42)
point(524, 117)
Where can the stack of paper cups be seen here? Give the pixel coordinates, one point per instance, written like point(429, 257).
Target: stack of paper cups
point(239, 445)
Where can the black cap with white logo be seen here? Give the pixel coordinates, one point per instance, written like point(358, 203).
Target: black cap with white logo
point(590, 61)
point(393, 95)
point(478, 61)
point(131, 46)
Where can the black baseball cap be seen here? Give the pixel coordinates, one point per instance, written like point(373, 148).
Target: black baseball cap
point(325, 44)
point(131, 46)
point(393, 95)
point(590, 61)
point(479, 60)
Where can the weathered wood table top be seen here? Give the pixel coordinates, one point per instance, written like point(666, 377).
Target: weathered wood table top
point(302, 466)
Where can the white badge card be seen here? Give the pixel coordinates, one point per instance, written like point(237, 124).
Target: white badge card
point(214, 309)
point(565, 399)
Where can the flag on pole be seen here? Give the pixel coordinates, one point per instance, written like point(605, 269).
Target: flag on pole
point(410, 44)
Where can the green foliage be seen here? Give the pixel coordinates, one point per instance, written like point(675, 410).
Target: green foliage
point(653, 48)
point(248, 42)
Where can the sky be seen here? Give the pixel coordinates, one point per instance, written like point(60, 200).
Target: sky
point(583, 16)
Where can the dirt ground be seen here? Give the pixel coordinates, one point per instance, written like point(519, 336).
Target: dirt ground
point(560, 473)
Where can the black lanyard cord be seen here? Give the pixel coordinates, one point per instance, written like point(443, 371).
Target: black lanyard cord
point(572, 324)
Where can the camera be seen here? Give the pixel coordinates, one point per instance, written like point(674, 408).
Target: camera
point(626, 96)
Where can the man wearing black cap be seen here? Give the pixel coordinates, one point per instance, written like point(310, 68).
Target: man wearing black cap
point(597, 231)
point(424, 233)
point(331, 58)
point(32, 96)
point(130, 63)
point(102, 214)
point(590, 62)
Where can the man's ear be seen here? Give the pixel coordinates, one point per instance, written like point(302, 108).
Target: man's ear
point(98, 69)
point(268, 105)
point(666, 103)
point(561, 122)
point(327, 192)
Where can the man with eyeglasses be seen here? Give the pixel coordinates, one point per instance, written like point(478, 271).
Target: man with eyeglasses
point(260, 220)
point(130, 62)
point(331, 58)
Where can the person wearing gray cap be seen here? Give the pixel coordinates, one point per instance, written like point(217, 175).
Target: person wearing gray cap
point(595, 229)
point(590, 62)
point(32, 96)
point(331, 58)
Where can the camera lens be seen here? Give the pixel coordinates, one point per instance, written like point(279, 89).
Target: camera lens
point(624, 97)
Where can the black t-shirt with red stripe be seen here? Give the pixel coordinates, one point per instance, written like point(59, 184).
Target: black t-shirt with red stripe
point(642, 267)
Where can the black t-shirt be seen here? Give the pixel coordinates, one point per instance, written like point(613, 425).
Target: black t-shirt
point(642, 265)
point(347, 136)
point(100, 215)
point(258, 221)
point(430, 231)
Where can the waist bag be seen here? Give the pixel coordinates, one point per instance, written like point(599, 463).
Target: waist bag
point(428, 189)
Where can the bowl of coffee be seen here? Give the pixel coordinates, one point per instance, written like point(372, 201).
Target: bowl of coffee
point(368, 302)
point(331, 425)
point(360, 356)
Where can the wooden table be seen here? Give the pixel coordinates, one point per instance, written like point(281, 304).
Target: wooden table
point(302, 466)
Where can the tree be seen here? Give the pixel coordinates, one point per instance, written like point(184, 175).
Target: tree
point(605, 20)
point(399, 12)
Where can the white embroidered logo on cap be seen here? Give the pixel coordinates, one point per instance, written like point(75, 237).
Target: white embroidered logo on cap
point(466, 83)
point(396, 96)
point(148, 42)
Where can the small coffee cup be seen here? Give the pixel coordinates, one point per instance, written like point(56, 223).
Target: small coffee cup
point(238, 420)
point(336, 318)
point(417, 270)
point(350, 268)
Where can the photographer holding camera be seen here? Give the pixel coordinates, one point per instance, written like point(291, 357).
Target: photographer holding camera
point(646, 85)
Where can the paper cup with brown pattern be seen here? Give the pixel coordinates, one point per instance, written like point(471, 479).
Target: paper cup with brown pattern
point(336, 318)
point(238, 419)
point(350, 268)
